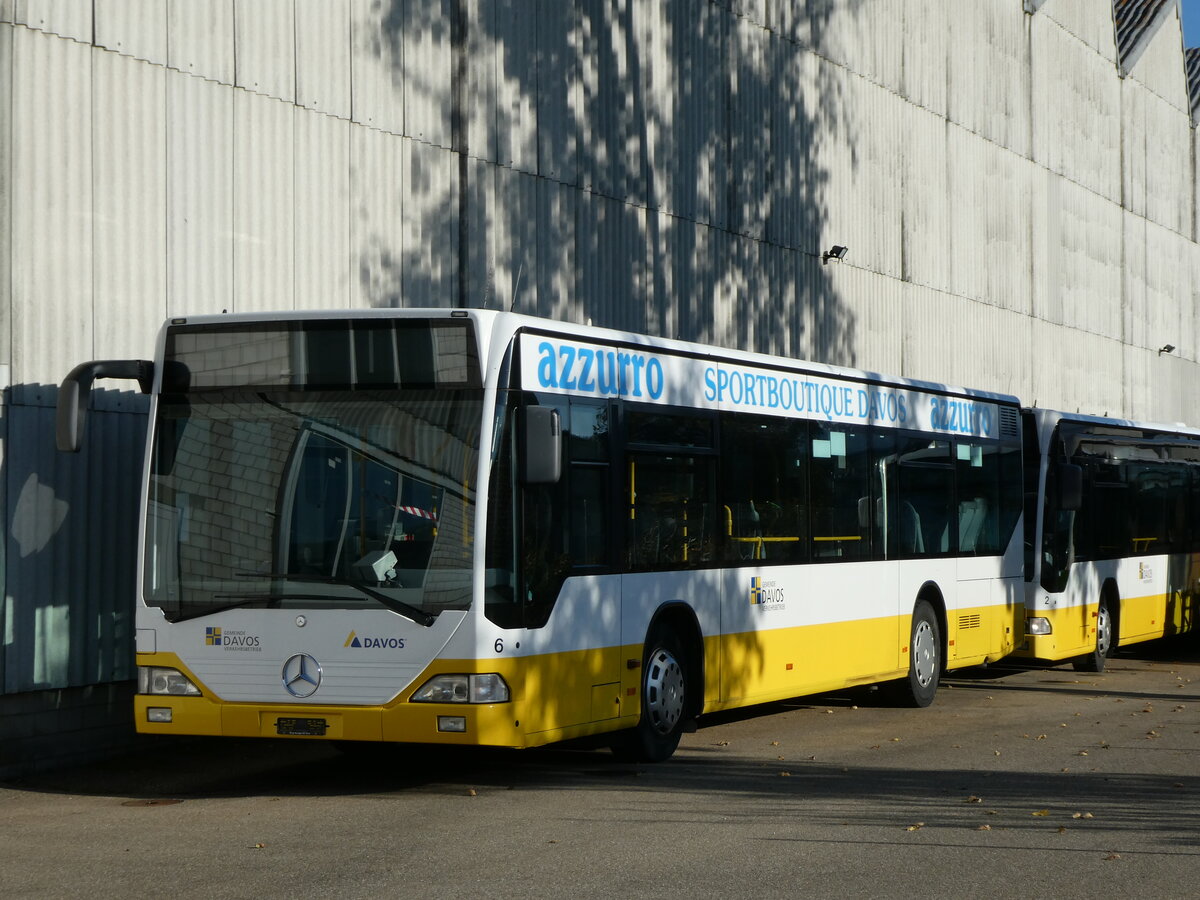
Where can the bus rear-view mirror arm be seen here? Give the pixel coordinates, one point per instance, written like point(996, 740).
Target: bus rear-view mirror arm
point(76, 389)
point(540, 448)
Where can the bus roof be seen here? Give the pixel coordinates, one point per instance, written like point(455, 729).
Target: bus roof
point(496, 329)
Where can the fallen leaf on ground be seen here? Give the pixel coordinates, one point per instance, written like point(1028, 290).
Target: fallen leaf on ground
point(1042, 812)
point(916, 826)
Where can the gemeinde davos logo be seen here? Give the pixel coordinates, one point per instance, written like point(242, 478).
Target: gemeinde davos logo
point(216, 636)
point(765, 593)
point(373, 643)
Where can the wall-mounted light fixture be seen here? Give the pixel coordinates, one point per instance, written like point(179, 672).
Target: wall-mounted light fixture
point(1166, 348)
point(835, 252)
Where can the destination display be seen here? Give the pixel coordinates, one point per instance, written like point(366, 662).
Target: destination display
point(646, 376)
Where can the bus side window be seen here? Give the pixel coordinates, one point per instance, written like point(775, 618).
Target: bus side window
point(838, 481)
point(764, 466)
point(671, 511)
point(982, 470)
point(927, 522)
point(589, 473)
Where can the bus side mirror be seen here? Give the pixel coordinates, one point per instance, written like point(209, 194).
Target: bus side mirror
point(1070, 487)
point(540, 445)
point(76, 388)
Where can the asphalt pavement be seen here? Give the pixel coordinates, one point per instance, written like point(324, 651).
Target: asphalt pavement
point(1015, 783)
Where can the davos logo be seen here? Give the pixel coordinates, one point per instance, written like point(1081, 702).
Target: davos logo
point(216, 636)
point(373, 643)
point(569, 367)
point(765, 593)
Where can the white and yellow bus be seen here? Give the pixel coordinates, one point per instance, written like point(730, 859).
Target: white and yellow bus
point(1113, 508)
point(473, 527)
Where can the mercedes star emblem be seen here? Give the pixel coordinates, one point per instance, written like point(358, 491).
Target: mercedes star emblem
point(301, 675)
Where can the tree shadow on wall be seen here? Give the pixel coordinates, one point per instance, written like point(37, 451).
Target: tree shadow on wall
point(652, 167)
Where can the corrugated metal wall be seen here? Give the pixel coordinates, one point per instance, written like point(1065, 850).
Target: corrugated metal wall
point(1019, 216)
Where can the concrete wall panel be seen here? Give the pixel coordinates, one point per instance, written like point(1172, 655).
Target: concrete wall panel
point(1091, 23)
point(377, 206)
point(990, 36)
point(323, 54)
point(264, 203)
point(424, 35)
point(129, 172)
point(265, 47)
point(1160, 64)
point(1076, 107)
point(200, 38)
point(200, 175)
point(136, 28)
point(65, 18)
point(377, 68)
point(926, 55)
point(326, 271)
point(52, 226)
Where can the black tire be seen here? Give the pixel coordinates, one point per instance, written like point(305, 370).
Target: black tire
point(666, 694)
point(924, 659)
point(1105, 641)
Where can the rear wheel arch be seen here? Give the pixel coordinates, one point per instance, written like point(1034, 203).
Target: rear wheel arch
point(680, 619)
point(1111, 595)
point(932, 594)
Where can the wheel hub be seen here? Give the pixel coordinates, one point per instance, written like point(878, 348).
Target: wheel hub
point(924, 654)
point(664, 691)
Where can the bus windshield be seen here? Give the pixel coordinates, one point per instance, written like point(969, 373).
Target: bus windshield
point(349, 495)
point(290, 500)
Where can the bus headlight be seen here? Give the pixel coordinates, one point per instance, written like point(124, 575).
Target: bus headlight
point(1038, 626)
point(487, 688)
point(161, 680)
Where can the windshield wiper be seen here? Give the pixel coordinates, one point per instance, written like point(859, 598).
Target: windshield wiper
point(397, 606)
point(240, 600)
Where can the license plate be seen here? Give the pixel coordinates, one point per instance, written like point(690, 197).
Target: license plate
point(301, 727)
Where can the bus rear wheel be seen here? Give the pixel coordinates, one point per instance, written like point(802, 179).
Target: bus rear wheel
point(1094, 661)
point(924, 659)
point(665, 698)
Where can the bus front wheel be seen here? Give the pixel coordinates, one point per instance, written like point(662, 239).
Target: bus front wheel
point(665, 696)
point(1094, 661)
point(924, 659)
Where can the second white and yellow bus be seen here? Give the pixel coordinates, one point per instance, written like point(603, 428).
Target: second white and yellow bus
point(474, 527)
point(1113, 541)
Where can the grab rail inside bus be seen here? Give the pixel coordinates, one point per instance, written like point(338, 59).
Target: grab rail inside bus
point(76, 388)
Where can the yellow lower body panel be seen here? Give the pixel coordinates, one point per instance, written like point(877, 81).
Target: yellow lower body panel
point(569, 695)
point(757, 666)
point(555, 697)
point(1073, 630)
